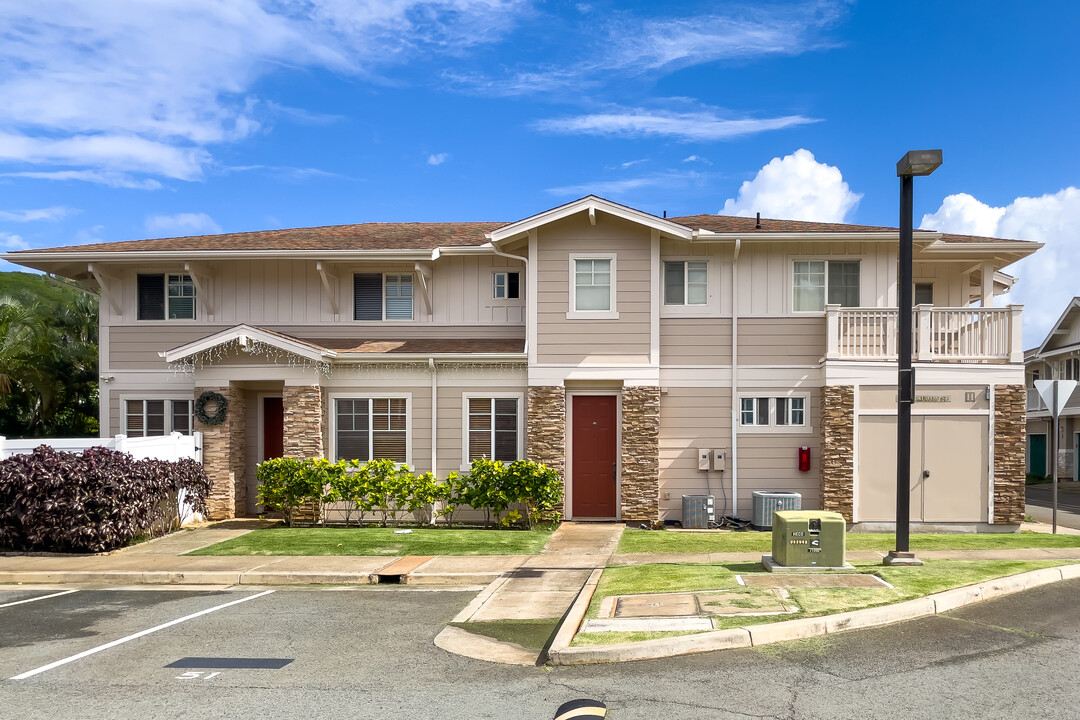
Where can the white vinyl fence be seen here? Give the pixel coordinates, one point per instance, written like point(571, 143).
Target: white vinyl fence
point(163, 447)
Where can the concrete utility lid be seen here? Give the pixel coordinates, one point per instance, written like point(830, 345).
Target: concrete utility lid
point(813, 581)
point(700, 604)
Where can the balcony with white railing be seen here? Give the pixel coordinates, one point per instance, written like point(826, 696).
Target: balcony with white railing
point(954, 335)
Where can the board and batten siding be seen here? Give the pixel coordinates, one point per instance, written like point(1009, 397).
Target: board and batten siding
point(290, 292)
point(564, 341)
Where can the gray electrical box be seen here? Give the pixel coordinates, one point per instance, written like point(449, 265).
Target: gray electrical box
point(698, 511)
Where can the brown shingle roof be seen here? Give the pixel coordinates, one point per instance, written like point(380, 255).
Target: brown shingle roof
point(364, 236)
point(428, 236)
point(732, 224)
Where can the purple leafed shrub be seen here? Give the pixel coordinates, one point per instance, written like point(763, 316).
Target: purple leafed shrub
point(92, 501)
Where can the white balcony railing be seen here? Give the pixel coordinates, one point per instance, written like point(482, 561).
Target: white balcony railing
point(982, 335)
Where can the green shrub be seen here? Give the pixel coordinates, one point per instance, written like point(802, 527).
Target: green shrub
point(521, 493)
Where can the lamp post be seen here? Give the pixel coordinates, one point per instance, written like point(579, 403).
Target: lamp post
point(915, 162)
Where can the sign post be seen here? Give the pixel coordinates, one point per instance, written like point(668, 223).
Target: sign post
point(1055, 393)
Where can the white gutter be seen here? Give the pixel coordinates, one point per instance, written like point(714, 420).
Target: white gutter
point(734, 453)
point(881, 235)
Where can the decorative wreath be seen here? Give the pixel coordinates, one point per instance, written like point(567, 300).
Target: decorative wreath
point(211, 398)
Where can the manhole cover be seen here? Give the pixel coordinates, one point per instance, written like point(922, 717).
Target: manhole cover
point(813, 581)
point(754, 602)
point(667, 605)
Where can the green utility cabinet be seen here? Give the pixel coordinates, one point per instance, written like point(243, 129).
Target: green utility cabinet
point(808, 538)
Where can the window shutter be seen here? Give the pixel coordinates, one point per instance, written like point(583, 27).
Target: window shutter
point(151, 291)
point(367, 296)
point(512, 285)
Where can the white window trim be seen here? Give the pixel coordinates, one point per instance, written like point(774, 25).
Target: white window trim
point(172, 321)
point(572, 314)
point(168, 398)
point(412, 298)
point(350, 274)
point(334, 397)
point(465, 397)
point(772, 428)
point(792, 259)
point(684, 310)
point(194, 297)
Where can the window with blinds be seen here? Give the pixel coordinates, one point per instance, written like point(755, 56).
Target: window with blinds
point(149, 418)
point(382, 297)
point(165, 297)
point(371, 429)
point(493, 428)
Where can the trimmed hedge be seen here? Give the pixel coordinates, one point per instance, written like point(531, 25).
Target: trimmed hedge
point(521, 493)
point(92, 501)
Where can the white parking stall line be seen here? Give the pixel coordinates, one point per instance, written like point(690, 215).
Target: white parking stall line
point(135, 636)
point(43, 597)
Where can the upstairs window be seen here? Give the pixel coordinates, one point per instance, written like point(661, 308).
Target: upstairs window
point(148, 418)
point(592, 285)
point(821, 282)
point(493, 428)
point(166, 297)
point(378, 296)
point(686, 283)
point(1071, 369)
point(506, 286)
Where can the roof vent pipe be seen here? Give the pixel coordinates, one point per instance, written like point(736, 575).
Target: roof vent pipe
point(758, 226)
point(665, 214)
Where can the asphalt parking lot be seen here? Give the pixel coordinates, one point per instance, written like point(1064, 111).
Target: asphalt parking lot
point(367, 653)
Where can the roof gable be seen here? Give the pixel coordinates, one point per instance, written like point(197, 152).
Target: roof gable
point(1068, 324)
point(591, 204)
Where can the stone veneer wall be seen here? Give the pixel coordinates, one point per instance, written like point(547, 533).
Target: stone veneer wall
point(640, 482)
point(838, 449)
point(1009, 468)
point(303, 432)
point(223, 455)
point(546, 427)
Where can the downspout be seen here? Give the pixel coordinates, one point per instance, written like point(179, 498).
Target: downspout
point(434, 424)
point(734, 454)
point(525, 262)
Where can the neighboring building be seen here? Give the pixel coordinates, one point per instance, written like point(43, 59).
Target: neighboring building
point(607, 342)
point(1057, 358)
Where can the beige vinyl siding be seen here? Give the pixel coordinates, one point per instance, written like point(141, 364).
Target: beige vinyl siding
point(290, 292)
point(560, 340)
point(949, 280)
point(782, 341)
point(695, 341)
point(138, 347)
point(691, 418)
point(769, 461)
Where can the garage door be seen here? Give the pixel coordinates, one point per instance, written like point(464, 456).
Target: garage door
point(949, 457)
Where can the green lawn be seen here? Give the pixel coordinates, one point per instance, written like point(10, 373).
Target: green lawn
point(381, 541)
point(658, 541)
point(908, 583)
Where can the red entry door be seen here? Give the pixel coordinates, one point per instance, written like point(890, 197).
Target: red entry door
point(273, 428)
point(595, 448)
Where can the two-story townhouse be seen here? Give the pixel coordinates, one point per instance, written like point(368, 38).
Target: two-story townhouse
point(1057, 358)
point(607, 342)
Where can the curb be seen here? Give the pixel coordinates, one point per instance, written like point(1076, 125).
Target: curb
point(561, 653)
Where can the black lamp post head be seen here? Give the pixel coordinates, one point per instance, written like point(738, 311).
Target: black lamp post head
point(918, 162)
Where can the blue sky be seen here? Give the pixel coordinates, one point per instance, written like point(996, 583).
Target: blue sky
point(124, 120)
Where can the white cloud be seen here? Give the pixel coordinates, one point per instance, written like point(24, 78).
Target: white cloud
point(795, 187)
point(50, 214)
point(182, 224)
point(438, 158)
point(704, 125)
point(695, 158)
point(667, 180)
point(86, 236)
point(114, 88)
point(1047, 278)
point(108, 178)
point(10, 241)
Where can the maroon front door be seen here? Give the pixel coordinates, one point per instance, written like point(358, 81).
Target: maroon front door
point(595, 448)
point(273, 428)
